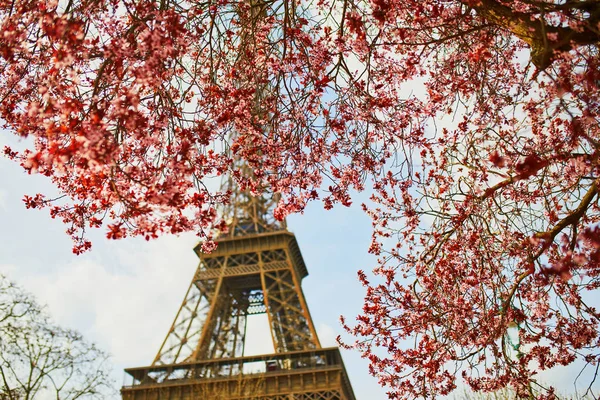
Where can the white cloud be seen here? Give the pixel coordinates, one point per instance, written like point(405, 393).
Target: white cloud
point(3, 200)
point(327, 335)
point(9, 270)
point(126, 306)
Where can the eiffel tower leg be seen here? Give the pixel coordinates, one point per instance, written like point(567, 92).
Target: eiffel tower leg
point(187, 327)
point(291, 324)
point(222, 335)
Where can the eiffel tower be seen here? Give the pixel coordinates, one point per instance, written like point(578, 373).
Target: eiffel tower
point(257, 268)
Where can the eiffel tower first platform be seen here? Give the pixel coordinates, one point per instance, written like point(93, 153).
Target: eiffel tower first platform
point(257, 268)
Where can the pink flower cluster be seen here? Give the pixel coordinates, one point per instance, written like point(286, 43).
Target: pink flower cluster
point(475, 124)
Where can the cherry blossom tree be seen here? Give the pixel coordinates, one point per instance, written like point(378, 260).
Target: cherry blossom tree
point(475, 123)
point(39, 359)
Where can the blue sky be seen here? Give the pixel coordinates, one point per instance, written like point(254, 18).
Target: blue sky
point(124, 294)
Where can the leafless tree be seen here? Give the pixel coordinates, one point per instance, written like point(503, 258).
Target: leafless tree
point(39, 359)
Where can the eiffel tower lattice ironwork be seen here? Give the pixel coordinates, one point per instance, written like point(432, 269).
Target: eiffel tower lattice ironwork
point(257, 268)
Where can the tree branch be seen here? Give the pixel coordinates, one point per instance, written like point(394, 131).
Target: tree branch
point(534, 31)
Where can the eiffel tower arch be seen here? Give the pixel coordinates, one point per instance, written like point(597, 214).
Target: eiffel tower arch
point(257, 268)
